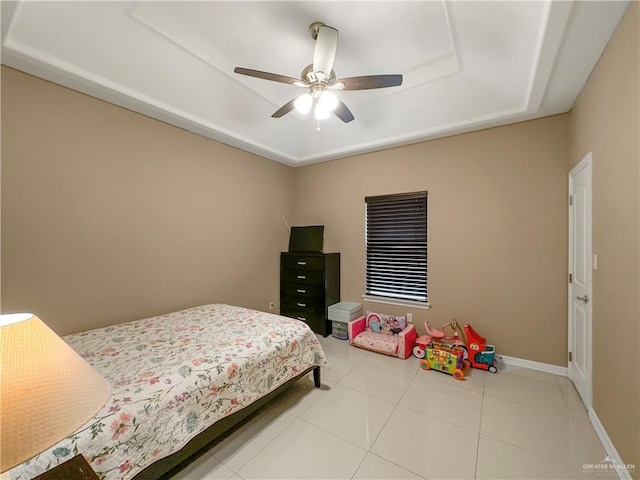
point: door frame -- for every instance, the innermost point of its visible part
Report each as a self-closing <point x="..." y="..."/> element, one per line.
<point x="586" y="162"/>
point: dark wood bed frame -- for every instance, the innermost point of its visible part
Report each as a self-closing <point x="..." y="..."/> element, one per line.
<point x="164" y="467"/>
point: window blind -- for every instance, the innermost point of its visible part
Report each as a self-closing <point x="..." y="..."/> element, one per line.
<point x="396" y="246"/>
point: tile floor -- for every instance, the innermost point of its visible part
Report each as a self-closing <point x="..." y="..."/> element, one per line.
<point x="379" y="417"/>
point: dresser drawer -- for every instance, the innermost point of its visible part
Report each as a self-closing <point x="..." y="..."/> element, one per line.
<point x="304" y="305"/>
<point x="303" y="291"/>
<point x="304" y="262"/>
<point x="316" y="322"/>
<point x="303" y="277"/>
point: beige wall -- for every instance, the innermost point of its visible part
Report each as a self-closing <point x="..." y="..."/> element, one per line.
<point x="497" y="221"/>
<point x="606" y="121"/>
<point x="110" y="216"/>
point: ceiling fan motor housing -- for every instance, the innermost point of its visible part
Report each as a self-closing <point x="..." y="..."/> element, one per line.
<point x="315" y="78"/>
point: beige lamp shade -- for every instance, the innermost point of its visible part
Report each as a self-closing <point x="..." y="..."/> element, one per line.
<point x="47" y="392"/>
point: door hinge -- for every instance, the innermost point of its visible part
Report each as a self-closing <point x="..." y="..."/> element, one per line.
<point x="570" y="278"/>
<point x="570" y="356"/>
<point x="570" y="199"/>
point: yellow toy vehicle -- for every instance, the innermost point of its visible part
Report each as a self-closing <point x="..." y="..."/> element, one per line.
<point x="445" y="358"/>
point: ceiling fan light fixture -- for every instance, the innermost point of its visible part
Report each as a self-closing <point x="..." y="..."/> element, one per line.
<point x="328" y="100"/>
<point x="303" y="103"/>
<point x="321" y="112"/>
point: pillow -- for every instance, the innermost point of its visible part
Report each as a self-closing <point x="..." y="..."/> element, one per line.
<point x="386" y="324"/>
<point x="374" y="322"/>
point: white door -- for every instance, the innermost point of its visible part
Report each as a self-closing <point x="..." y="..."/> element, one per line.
<point x="580" y="264"/>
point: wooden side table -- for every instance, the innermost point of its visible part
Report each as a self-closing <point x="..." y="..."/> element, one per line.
<point x="75" y="469"/>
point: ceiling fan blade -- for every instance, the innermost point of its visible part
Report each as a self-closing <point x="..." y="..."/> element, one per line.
<point x="325" y="51"/>
<point x="274" y="77"/>
<point x="342" y="112"/>
<point x="369" y="82"/>
<point x="283" y="110"/>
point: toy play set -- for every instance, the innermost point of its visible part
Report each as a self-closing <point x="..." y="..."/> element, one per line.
<point x="451" y="349"/>
<point x="445" y="358"/>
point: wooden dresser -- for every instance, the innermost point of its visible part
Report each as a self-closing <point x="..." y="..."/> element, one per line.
<point x="309" y="283"/>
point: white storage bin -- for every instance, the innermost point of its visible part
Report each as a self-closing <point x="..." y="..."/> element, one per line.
<point x="345" y="311"/>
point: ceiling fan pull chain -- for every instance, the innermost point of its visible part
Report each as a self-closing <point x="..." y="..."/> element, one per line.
<point x="318" y="127"/>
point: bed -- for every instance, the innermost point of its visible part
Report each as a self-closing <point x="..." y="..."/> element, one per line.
<point x="178" y="381"/>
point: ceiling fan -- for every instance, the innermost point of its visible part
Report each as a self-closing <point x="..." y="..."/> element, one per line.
<point x="319" y="78"/>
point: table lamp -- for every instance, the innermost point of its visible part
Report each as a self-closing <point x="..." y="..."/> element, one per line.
<point x="47" y="392"/>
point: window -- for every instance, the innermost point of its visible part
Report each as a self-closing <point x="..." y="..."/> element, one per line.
<point x="396" y="248"/>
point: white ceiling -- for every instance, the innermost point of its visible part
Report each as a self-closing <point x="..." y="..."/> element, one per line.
<point x="467" y="65"/>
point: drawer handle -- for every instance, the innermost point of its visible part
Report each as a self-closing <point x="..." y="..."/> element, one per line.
<point x="302" y="318"/>
<point x="302" y="263"/>
<point x="301" y="304"/>
<point x="301" y="290"/>
<point x="301" y="277"/>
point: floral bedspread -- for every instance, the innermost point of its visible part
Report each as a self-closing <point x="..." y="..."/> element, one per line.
<point x="174" y="375"/>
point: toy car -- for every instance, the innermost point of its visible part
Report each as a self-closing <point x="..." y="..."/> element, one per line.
<point x="481" y="355"/>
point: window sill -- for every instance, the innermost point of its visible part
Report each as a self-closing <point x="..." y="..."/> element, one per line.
<point x="396" y="301"/>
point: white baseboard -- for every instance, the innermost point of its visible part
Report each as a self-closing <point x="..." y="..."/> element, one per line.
<point x="530" y="364"/>
<point x="613" y="456"/>
<point x="612" y="453"/>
